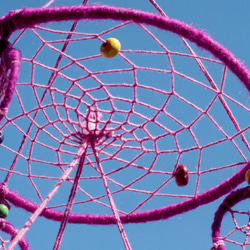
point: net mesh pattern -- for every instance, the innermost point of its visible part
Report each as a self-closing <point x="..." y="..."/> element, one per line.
<point x="231" y="222"/>
<point x="161" y="102"/>
<point x="154" y="121"/>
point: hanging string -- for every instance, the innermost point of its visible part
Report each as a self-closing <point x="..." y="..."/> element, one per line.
<point x="111" y="201"/>
<point x="42" y="206"/>
<point x="70" y="200"/>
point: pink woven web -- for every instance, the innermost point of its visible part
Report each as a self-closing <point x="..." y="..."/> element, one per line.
<point x="235" y="208"/>
<point x="7" y="231"/>
<point x="153" y="111"/>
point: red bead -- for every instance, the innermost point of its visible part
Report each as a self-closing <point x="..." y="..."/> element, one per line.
<point x="181" y="175"/>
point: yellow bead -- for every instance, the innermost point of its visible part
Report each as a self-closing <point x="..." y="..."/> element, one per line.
<point x="247" y="176"/>
<point x="110" y="47"/>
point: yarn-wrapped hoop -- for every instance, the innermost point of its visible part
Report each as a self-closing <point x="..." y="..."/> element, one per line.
<point x="28" y="17"/>
<point x="226" y="207"/>
<point x="9" y="72"/>
<point x="7" y="228"/>
<point x="115" y="130"/>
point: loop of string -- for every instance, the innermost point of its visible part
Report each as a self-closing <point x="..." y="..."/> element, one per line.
<point x="217" y="244"/>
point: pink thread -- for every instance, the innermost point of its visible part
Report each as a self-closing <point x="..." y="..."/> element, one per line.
<point x="111" y="201"/>
<point x="41" y="208"/>
<point x="11" y="61"/>
<point x="6" y="227"/>
<point x="138" y="217"/>
<point x="232" y="199"/>
<point x="219" y="245"/>
<point x="29" y="17"/>
<point x="3" y="111"/>
<point x="70" y="200"/>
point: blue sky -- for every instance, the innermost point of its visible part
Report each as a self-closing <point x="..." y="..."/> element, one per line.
<point x="228" y="23"/>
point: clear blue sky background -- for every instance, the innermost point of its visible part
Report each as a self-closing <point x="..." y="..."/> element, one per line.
<point x="228" y="22"/>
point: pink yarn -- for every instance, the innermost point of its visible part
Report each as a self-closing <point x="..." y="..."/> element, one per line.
<point x="29" y="17"/>
<point x="231" y="200"/>
<point x="11" y="61"/>
<point x="151" y="215"/>
<point x="26" y="18"/>
<point x="6" y="227"/>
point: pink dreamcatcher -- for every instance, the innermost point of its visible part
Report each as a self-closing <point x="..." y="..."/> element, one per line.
<point x="149" y="134"/>
<point x="239" y="226"/>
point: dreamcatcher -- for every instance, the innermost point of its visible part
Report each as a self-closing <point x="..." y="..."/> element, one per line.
<point x="114" y="124"/>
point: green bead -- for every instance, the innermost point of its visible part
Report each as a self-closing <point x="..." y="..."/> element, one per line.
<point x="4" y="211"/>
